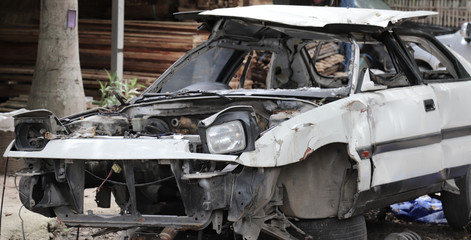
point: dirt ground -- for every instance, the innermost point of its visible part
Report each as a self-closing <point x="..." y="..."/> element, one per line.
<point x="39" y="227"/>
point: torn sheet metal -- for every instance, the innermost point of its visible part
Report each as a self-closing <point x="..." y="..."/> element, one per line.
<point x="294" y="139"/>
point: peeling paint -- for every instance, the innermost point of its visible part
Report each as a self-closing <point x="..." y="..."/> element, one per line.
<point x="356" y="105"/>
<point x="306" y="153"/>
<point x="279" y="143"/>
<point x="302" y="125"/>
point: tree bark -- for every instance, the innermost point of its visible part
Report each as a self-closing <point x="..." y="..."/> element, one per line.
<point x="57" y="80"/>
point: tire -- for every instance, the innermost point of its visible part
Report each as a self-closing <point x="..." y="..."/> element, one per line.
<point x="353" y="228"/>
<point x="457" y="208"/>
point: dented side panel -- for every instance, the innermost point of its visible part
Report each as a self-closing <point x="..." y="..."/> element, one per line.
<point x="406" y="144"/>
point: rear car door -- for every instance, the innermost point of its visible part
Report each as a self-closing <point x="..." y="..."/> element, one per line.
<point x="405" y="130"/>
<point x="452" y="87"/>
<point x="405" y="126"/>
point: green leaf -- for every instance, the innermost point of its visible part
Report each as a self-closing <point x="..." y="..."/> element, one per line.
<point x="128" y="88"/>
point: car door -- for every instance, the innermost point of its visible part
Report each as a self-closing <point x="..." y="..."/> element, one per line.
<point x="452" y="88"/>
<point x="405" y="127"/>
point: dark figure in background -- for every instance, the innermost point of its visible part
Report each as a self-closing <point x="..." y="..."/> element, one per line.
<point x="376" y="57"/>
<point x="346" y="48"/>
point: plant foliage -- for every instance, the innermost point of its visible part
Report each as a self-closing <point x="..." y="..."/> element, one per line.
<point x="126" y="88"/>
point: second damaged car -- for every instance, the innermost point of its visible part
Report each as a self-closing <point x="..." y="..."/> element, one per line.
<point x="288" y="122"/>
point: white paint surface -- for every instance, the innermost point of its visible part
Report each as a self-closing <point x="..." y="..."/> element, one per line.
<point x="117" y="148"/>
<point x="307" y="16"/>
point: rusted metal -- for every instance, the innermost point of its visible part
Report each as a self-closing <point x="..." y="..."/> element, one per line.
<point x="168" y="233"/>
<point x="184" y="125"/>
<point x="306" y="153"/>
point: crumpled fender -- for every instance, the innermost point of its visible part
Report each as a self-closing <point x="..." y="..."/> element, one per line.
<point x="342" y="121"/>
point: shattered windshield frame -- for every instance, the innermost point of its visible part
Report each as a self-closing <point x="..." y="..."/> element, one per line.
<point x="231" y="39"/>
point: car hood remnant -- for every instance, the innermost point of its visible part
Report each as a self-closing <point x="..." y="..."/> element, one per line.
<point x="303" y="16"/>
<point x="285" y="120"/>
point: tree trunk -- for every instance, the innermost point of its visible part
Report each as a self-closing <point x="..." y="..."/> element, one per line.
<point x="57" y="80"/>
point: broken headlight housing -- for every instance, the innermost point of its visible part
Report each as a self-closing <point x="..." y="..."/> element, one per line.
<point x="226" y="137"/>
<point x="32" y="127"/>
<point x="31" y="136"/>
<point x="232" y="130"/>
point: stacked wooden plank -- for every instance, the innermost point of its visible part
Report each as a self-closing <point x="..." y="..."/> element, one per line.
<point x="149" y="49"/>
<point x="14" y="103"/>
<point x="256" y="73"/>
<point x="451" y="13"/>
<point x="16" y="80"/>
<point x="192" y="5"/>
<point x="328" y="59"/>
<point x="327" y="63"/>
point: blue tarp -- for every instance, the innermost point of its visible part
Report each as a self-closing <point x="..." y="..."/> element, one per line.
<point x="423" y="209"/>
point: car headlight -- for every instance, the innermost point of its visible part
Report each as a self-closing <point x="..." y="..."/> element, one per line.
<point x="231" y="131"/>
<point x="31" y="128"/>
<point x="225" y="138"/>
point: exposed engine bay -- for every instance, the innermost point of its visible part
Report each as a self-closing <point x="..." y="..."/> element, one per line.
<point x="190" y="192"/>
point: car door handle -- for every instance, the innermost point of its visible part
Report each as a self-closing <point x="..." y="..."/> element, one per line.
<point x="429" y="105"/>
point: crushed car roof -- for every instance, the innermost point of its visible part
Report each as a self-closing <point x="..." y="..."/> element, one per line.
<point x="308" y="16"/>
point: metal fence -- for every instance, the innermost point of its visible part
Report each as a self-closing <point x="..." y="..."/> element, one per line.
<point x="451" y="13"/>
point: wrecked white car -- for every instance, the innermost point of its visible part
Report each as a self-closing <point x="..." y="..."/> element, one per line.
<point x="288" y="122"/>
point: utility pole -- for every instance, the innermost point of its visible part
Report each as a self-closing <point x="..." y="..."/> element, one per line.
<point x="117" y="38"/>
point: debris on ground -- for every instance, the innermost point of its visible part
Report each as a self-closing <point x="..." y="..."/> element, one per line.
<point x="423" y="209"/>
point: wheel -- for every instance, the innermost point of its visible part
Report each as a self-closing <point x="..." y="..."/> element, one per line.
<point x="457" y="208"/>
<point x="353" y="228"/>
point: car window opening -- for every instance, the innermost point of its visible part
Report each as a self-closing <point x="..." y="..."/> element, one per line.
<point x="307" y="63"/>
<point x="432" y="64"/>
<point x="331" y="61"/>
